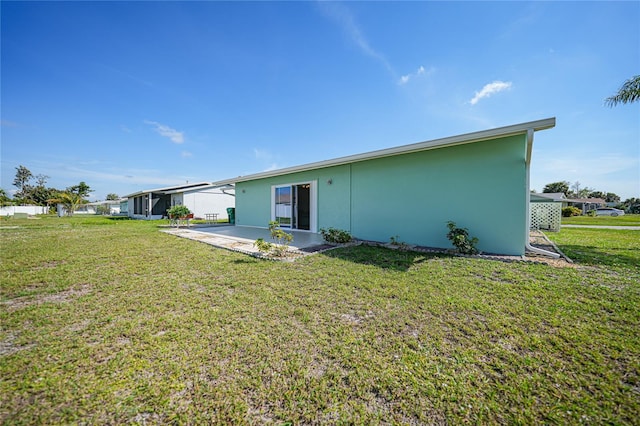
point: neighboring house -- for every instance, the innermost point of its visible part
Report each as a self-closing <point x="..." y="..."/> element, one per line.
<point x="478" y="180"/>
<point x="546" y="211"/>
<point x="201" y="198"/>
<point x="109" y="207"/>
<point x="586" y="204"/>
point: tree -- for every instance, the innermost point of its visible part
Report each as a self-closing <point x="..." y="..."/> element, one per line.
<point x="579" y="192"/>
<point x="628" y="93"/>
<point x="610" y="197"/>
<point x="597" y="194"/>
<point x="4" y="198"/>
<point x="562" y="186"/>
<point x="631" y="205"/>
<point x="81" y="189"/>
<point x="40" y="194"/>
<point x="41" y="180"/>
<point x="112" y="197"/>
<point x="21" y="181"/>
<point x="69" y="200"/>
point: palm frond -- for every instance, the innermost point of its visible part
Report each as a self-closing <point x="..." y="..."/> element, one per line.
<point x="628" y="93"/>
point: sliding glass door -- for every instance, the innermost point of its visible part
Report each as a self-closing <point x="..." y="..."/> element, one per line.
<point x="293" y="206"/>
<point x="283" y="206"/>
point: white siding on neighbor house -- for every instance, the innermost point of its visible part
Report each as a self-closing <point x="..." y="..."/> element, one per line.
<point x="208" y="201"/>
<point x="176" y="199"/>
<point x="92" y="208"/>
<point x="201" y="199"/>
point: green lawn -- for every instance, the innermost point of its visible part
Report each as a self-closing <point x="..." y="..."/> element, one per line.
<point x="626" y="220"/>
<point x="106" y="321"/>
<point x="600" y="247"/>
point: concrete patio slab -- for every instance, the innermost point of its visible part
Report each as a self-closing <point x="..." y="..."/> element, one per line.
<point x="241" y="238"/>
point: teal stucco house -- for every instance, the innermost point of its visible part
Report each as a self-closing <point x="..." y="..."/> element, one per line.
<point x="479" y="180"/>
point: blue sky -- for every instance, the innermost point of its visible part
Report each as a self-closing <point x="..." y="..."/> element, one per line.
<point x="136" y="95"/>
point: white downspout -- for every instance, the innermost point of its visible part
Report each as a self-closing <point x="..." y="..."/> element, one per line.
<point x="527" y="244"/>
<point x="226" y="193"/>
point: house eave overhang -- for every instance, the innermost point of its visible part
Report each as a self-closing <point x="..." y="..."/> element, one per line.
<point x="203" y="189"/>
<point x="467" y="138"/>
<point x="171" y="189"/>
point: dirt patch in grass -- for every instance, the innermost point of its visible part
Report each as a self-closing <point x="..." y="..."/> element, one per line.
<point x="61" y="297"/>
<point x="50" y="264"/>
<point x="8" y="345"/>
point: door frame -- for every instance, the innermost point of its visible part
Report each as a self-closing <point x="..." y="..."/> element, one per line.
<point x="313" y="203"/>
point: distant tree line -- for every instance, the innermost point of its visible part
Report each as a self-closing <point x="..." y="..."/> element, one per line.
<point x="576" y="190"/>
<point x="33" y="190"/>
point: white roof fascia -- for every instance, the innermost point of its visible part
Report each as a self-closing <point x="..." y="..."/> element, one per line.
<point x="198" y="188"/>
<point x="499" y="132"/>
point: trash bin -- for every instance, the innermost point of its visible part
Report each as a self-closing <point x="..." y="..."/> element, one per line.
<point x="231" y="212"/>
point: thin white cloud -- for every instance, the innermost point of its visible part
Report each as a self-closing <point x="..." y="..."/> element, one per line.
<point x="265" y="156"/>
<point x="490" y="89"/>
<point x="262" y="154"/>
<point x="420" y="71"/>
<point x="186" y="154"/>
<point x="342" y="15"/>
<point x="166" y="131"/>
<point x="96" y="171"/>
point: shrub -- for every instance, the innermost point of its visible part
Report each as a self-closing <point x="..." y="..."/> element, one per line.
<point x="459" y="237"/>
<point x="178" y="211"/>
<point x="263" y="246"/>
<point x="395" y="241"/>
<point x="333" y="235"/>
<point x="280" y="246"/>
<point x="571" y="211"/>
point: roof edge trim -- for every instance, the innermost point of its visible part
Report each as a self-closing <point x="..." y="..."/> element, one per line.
<point x="466" y="138"/>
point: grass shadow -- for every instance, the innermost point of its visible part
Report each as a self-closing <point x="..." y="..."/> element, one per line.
<point x="600" y="247"/>
<point x="382" y="257"/>
<point x="118" y="217"/>
<point x="596" y="256"/>
<point x="249" y="260"/>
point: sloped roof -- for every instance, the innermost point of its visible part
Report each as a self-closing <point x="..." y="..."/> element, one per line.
<point x="586" y="200"/>
<point x="534" y="196"/>
<point x="555" y="196"/>
<point x="499" y="132"/>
